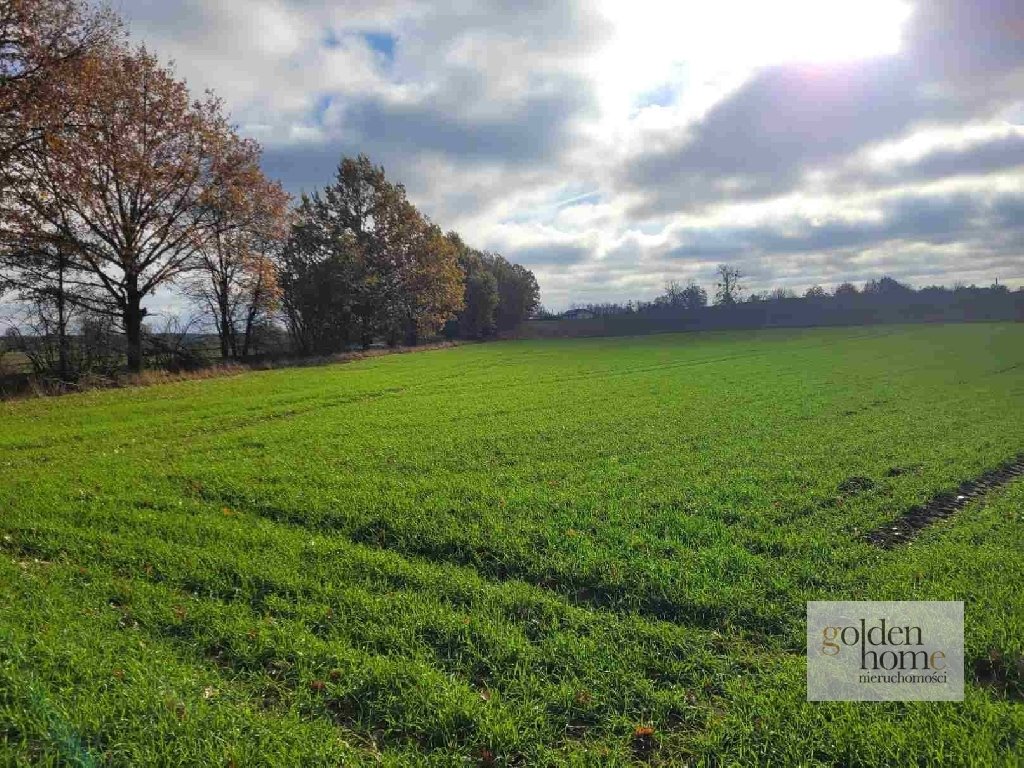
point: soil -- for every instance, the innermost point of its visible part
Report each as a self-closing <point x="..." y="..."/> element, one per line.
<point x="944" y="505"/>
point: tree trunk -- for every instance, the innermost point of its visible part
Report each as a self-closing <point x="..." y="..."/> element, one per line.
<point x="132" y="319"/>
<point x="225" y="350"/>
<point x="366" y="334"/>
<point x="224" y="324"/>
<point x="250" y="326"/>
<point x="412" y="335"/>
<point x="63" y="361"/>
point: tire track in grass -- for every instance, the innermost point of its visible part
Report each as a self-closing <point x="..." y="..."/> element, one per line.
<point x="945" y="504"/>
<point x="540" y="617"/>
<point x="486" y="561"/>
<point x="330" y="677"/>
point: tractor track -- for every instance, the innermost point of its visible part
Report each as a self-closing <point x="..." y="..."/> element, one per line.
<point x="945" y="504"/>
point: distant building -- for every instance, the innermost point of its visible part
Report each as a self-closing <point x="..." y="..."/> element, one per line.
<point x="578" y="314"/>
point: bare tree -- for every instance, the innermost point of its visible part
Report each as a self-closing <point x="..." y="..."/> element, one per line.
<point x="729" y="288"/>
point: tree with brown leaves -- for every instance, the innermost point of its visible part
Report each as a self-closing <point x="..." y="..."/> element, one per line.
<point x="134" y="197"/>
<point x="432" y="284"/>
<point x="237" y="280"/>
<point x="41" y="43"/>
<point x="391" y="273"/>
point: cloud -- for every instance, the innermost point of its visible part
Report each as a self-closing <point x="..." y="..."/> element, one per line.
<point x="892" y="236"/>
<point x="759" y="142"/>
<point x="998" y="151"/>
<point x="611" y="148"/>
<point x="531" y="130"/>
<point x="548" y="255"/>
<point x="963" y="60"/>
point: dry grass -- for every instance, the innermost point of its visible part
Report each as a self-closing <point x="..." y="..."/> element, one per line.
<point x="27" y="386"/>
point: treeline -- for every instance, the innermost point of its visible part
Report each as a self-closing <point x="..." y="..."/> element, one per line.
<point x="687" y="307"/>
<point x="362" y="263"/>
<point x="117" y="183"/>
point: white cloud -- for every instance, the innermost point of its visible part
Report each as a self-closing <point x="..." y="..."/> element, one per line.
<point x="597" y="142"/>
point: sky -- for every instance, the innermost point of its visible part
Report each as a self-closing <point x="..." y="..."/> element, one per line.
<point x="614" y="145"/>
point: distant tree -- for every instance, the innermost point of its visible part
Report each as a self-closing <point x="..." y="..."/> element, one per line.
<point x="46" y="282"/>
<point x="477" y="318"/>
<point x="886" y="286"/>
<point x="688" y="297"/>
<point x="694" y="297"/>
<point x="543" y="313"/>
<point x="845" y="289"/>
<point x="815" y="292"/>
<point x="729" y="288"/>
<point x="673" y="295"/>
<point x="63" y="342"/>
<point x="46" y="315"/>
<point x="780" y="294"/>
<point x="518" y="292"/>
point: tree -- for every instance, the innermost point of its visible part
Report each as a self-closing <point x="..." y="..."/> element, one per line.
<point x="318" y="270"/>
<point x="518" y="292"/>
<point x="363" y="263"/>
<point x="44" y="278"/>
<point x="729" y="288"/>
<point x="780" y="294"/>
<point x="815" y="292"/>
<point x="237" y="282"/>
<point x="673" y="293"/>
<point x="129" y="197"/>
<point x="688" y="297"/>
<point x="375" y="220"/>
<point x="886" y="286"/>
<point x="694" y="297"/>
<point x="476" y="320"/>
<point x="845" y="289"/>
<point x="432" y="286"/>
<point x="41" y="44"/>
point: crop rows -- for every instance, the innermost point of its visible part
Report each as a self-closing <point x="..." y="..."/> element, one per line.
<point x="589" y="551"/>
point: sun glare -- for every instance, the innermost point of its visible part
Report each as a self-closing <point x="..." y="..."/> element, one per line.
<point x="704" y="49"/>
<point x="756" y="32"/>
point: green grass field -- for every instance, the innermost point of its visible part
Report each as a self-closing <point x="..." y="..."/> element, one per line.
<point x="513" y="554"/>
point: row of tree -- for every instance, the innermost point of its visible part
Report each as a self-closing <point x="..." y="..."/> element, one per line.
<point x="116" y="182"/>
<point x="686" y="307"/>
<point x="363" y="263"/>
<point x="729" y="292"/>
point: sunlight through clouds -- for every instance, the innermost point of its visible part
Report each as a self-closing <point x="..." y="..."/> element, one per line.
<point x="600" y="138"/>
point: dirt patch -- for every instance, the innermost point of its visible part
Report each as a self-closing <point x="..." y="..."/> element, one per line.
<point x="899" y="471"/>
<point x="644" y="743"/>
<point x="1001" y="674"/>
<point x="944" y="505"/>
<point x="857" y="484"/>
